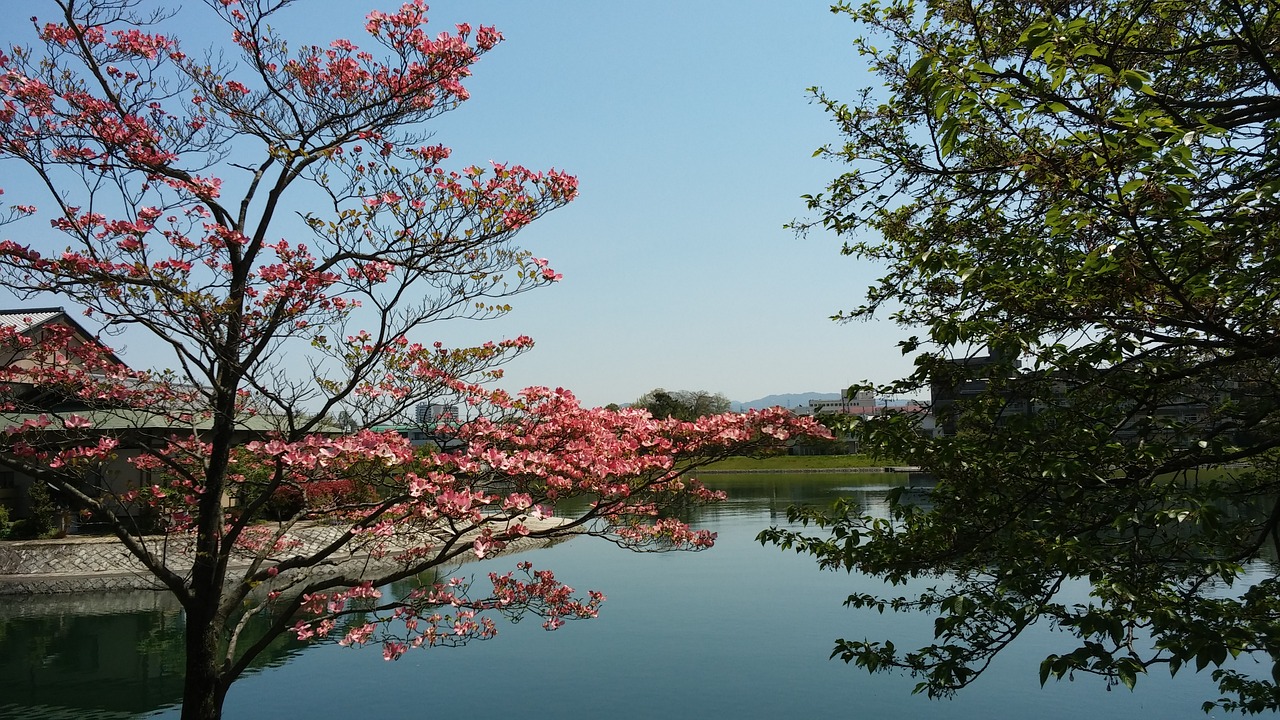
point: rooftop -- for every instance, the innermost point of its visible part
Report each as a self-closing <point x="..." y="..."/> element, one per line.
<point x="23" y="320"/>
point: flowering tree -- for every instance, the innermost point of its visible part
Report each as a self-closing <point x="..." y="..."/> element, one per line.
<point x="170" y="177"/>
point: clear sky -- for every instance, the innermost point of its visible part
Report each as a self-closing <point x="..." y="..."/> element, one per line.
<point x="690" y="129"/>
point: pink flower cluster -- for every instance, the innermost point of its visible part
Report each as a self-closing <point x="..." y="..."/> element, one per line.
<point x="627" y="462"/>
<point x="82" y="455"/>
<point x="427" y="71"/>
<point x="444" y="614"/>
<point x="668" y="532"/>
<point x="336" y="453"/>
<point x="544" y="595"/>
<point x="505" y="192"/>
<point x="264" y="541"/>
<point x="132" y="42"/>
<point x="119" y="256"/>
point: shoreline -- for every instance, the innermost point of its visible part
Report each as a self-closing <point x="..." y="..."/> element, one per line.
<point x="101" y="563"/>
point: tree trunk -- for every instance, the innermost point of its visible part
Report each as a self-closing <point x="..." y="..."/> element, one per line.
<point x="203" y="690"/>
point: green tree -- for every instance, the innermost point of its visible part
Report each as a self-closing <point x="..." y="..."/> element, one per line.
<point x="682" y="404"/>
<point x="1088" y="191"/>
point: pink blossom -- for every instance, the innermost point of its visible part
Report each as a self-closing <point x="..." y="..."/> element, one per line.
<point x="358" y="635"/>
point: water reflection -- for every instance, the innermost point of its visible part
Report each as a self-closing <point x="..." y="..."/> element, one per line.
<point x="110" y="655"/>
<point x="741" y="631"/>
<point x="116" y="654"/>
<point x="770" y="495"/>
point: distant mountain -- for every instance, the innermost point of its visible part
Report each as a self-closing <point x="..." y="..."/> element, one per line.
<point x="785" y="400"/>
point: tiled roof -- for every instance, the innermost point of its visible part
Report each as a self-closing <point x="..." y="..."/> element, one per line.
<point x="22" y="320"/>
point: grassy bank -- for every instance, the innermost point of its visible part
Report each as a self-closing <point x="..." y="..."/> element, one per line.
<point x="784" y="463"/>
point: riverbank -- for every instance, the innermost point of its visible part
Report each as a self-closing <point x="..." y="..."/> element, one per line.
<point x="799" y="470"/>
<point x="807" y="463"/>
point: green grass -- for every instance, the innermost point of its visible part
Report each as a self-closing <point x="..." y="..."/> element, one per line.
<point x="800" y="462"/>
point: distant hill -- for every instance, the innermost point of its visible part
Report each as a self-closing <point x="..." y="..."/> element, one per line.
<point x="785" y="400"/>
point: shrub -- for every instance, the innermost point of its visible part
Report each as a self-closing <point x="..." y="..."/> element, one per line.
<point x="43" y="521"/>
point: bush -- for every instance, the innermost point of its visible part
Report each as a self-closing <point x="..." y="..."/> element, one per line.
<point x="43" y="521"/>
<point x="287" y="501"/>
<point x="22" y="529"/>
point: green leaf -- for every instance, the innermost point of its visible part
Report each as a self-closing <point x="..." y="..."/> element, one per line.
<point x="1127" y="676"/>
<point x="921" y="66"/>
<point x="1180" y="193"/>
<point x="1199" y="226"/>
<point x="1131" y="187"/>
<point x="1134" y="79"/>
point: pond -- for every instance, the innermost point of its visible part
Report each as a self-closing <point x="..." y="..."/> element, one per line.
<point x="740" y="631"/>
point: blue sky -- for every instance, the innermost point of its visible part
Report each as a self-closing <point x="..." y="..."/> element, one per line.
<point x="689" y="127"/>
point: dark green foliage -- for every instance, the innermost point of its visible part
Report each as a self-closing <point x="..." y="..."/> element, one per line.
<point x="685" y="405"/>
<point x="43" y="519"/>
<point x="1088" y="191"/>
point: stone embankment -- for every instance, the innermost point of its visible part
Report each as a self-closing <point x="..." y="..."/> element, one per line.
<point x="69" y="565"/>
<point x="77" y="564"/>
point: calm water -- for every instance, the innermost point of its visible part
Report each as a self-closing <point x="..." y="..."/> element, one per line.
<point x="740" y="631"/>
